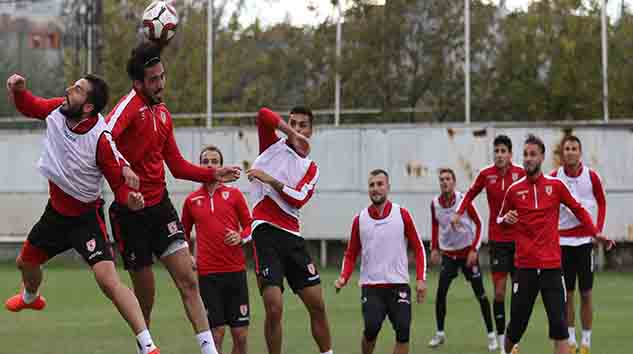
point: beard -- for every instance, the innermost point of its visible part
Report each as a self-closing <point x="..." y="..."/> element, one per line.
<point x="533" y="169"/>
<point x="378" y="199"/>
<point x="72" y="112"/>
<point x="153" y="97"/>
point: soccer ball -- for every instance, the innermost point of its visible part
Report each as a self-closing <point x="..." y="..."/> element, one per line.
<point x="160" y="21"/>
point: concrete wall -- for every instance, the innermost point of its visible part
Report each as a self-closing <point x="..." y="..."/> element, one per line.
<point x="411" y="154"/>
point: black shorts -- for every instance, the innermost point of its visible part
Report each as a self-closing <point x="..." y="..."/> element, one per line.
<point x="578" y="263"/>
<point x="144" y="233"/>
<point x="280" y="254"/>
<point x="55" y="233"/>
<point x="395" y="302"/>
<point x="526" y="285"/>
<point x="225" y="296"/>
<point x="502" y="257"/>
<point x="451" y="266"/>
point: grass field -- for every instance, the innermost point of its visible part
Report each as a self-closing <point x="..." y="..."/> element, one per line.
<point x="79" y="320"/>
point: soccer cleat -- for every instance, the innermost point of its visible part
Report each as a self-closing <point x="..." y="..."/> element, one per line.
<point x="572" y="347"/>
<point x="437" y="340"/>
<point x="155" y="351"/>
<point x="16" y="303"/>
<point x="515" y="349"/>
<point x="584" y="349"/>
<point x="492" y="343"/>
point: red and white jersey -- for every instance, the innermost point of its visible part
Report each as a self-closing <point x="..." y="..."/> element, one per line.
<point x="381" y="240"/>
<point x="213" y="216"/>
<point x="496" y="184"/>
<point x="454" y="243"/>
<point x="298" y="174"/>
<point x="586" y="186"/>
<point x="144" y="134"/>
<point x="75" y="160"/>
<point x="537" y="202"/>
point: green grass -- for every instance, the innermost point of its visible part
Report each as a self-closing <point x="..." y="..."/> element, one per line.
<point x="79" y="319"/>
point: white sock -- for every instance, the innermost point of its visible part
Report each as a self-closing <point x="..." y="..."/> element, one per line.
<point x="328" y="352"/>
<point x="586" y="338"/>
<point x="146" y="342"/>
<point x="441" y="333"/>
<point x="28" y="297"/>
<point x="502" y="343"/>
<point x="572" y="335"/>
<point x="207" y="346"/>
<point x="492" y="335"/>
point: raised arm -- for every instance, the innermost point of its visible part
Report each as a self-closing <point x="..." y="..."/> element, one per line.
<point x="474" y="190"/>
<point x="183" y="169"/>
<point x="28" y="104"/>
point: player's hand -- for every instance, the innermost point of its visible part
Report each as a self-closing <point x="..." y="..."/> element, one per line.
<point x="435" y="257"/>
<point x="471" y="260"/>
<point x="15" y="83"/>
<point x="232" y="238"/>
<point x="131" y="179"/>
<point x="456" y="221"/>
<point x="607" y="242"/>
<point x="340" y="284"/>
<point x="260" y="175"/>
<point x="420" y="289"/>
<point x="511" y="217"/>
<point x="228" y="174"/>
<point x="300" y="143"/>
<point x="135" y="201"/>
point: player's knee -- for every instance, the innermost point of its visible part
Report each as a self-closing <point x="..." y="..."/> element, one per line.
<point x="585" y="296"/>
<point x="188" y="285"/>
<point x="239" y="337"/>
<point x="317" y="307"/>
<point x="371" y="331"/>
<point x="402" y="329"/>
<point x="500" y="294"/>
<point x="19" y="262"/>
<point x="274" y="312"/>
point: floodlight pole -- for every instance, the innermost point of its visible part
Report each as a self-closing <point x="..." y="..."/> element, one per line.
<point x="467" y="59"/>
<point x="209" y="64"/>
<point x="337" y="80"/>
<point x="605" y="63"/>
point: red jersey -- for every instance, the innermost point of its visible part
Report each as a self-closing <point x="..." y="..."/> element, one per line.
<point x="144" y="134"/>
<point x="410" y="233"/>
<point x="537" y="203"/>
<point x="496" y="185"/>
<point x="213" y="215"/>
<point x="107" y="161"/>
<point x="297" y="196"/>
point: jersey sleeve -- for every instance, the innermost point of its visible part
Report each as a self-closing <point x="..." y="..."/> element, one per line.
<point x="33" y="106"/>
<point x="267" y="122"/>
<point x="244" y="216"/>
<point x="601" y="200"/>
<point x="474" y="216"/>
<point x="181" y="168"/>
<point x="187" y="219"/>
<point x="416" y="243"/>
<point x="352" y="251"/>
<point x="474" y="190"/>
<point x="506" y="206"/>
<point x="435" y="230"/>
<point x="576" y="208"/>
<point x="300" y="194"/>
<point x="121" y="117"/>
<point x="111" y="163"/>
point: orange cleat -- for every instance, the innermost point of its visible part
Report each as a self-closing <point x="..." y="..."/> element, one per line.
<point x="155" y="351"/>
<point x="16" y="303"/>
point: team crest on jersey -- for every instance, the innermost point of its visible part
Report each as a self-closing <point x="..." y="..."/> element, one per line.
<point x="91" y="245"/>
<point x="244" y="309"/>
<point x="515" y="176"/>
<point x="172" y="227"/>
<point x="225" y="195"/>
<point x="199" y="202"/>
<point x="548" y="190"/>
<point x="311" y="269"/>
<point x="163" y="117"/>
<point x="402" y="294"/>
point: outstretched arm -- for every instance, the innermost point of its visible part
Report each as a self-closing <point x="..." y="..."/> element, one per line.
<point x="28" y="104"/>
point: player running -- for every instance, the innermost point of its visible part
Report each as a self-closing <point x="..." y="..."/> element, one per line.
<point x="143" y="130"/>
<point x="283" y="180"/>
<point x="77" y="153"/>
<point x="223" y="224"/>
<point x="458" y="250"/>
<point x="576" y="244"/>
<point x="380" y="234"/>
<point x="533" y="204"/>
<point x="496" y="179"/>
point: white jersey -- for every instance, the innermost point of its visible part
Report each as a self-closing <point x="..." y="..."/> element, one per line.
<point x="384" y="258"/>
<point x="69" y="159"/>
<point x="450" y="239"/>
<point x="581" y="188"/>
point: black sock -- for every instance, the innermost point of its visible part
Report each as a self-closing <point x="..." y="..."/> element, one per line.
<point x="484" y="304"/>
<point x="499" y="310"/>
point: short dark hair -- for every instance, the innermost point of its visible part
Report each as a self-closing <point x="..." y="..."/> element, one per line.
<point x="303" y="110"/>
<point x="143" y="56"/>
<point x="379" y="171"/>
<point x="448" y="170"/>
<point x="535" y="140"/>
<point x="503" y="140"/>
<point x="99" y="93"/>
<point x="212" y="148"/>
<point x="569" y="138"/>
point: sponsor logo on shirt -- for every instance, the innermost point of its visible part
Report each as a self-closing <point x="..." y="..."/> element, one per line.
<point x="492" y="179"/>
<point x="91" y="245"/>
<point x="522" y="193"/>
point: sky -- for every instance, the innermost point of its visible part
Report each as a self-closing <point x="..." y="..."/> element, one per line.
<point x="273" y="11"/>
